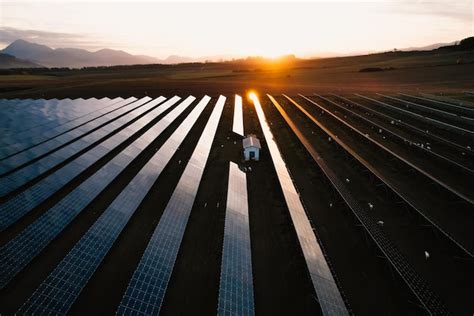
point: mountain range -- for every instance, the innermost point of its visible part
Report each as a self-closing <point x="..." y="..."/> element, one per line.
<point x="24" y="54"/>
<point x="72" y="57"/>
<point x="8" y="61"/>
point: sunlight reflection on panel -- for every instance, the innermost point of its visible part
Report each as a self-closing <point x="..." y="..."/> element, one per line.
<point x="325" y="287"/>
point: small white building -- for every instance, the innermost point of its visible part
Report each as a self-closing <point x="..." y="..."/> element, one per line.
<point x="251" y="147"/>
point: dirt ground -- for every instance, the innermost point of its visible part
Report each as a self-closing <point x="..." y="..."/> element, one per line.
<point x="409" y="72"/>
<point x="403" y="225"/>
<point x="282" y="285"/>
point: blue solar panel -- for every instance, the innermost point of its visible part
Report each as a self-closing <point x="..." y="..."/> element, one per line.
<point x="19" y="113"/>
<point x="21" y="176"/>
<point x="147" y="287"/>
<point x="17" y="253"/>
<point x="46" y="113"/>
<point x="60" y="289"/>
<point x="236" y="283"/>
<point x="28" y="139"/>
<point x="23" y="157"/>
<point x="40" y="191"/>
<point x="6" y="105"/>
<point x="41" y="115"/>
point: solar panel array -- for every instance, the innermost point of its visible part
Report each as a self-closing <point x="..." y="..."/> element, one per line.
<point x="328" y="294"/>
<point x="236" y="283"/>
<point x="40" y="112"/>
<point x="25" y="201"/>
<point x="46" y="146"/>
<point x="61" y="288"/>
<point x="414" y="280"/>
<point x="436" y="122"/>
<point x="432" y="109"/>
<point x="67" y="153"/>
<point x="238" y="125"/>
<point x="18" y="178"/>
<point x="37" y="113"/>
<point x="30" y="136"/>
<point x="146" y="290"/>
<point x="451" y="106"/>
<point x="18" y="252"/>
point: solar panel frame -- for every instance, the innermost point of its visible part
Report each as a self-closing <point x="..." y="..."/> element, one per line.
<point x="52" y="297"/>
<point x="236" y="279"/>
<point x="18" y="252"/>
<point x="146" y="289"/>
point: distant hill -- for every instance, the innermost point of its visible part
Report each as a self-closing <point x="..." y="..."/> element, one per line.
<point x="175" y="59"/>
<point x="32" y="55"/>
<point x="9" y="61"/>
<point x="72" y="57"/>
<point x="428" y="47"/>
<point x="465" y="44"/>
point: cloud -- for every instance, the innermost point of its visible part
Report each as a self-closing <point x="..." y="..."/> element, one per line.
<point x="455" y="9"/>
<point x="51" y="39"/>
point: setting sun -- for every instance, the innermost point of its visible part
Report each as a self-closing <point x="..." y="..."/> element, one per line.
<point x="253" y="96"/>
<point x="204" y="29"/>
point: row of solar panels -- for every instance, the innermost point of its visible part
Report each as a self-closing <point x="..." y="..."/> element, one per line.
<point x="415" y="281"/>
<point x="452" y="119"/>
<point x="60" y="289"/>
<point x="327" y="292"/>
<point x="51" y="147"/>
<point x="28" y="129"/>
<point x="464" y="130"/>
<point x="456" y="233"/>
<point x="146" y="290"/>
<point x="451" y="157"/>
<point x="40" y="112"/>
<point x="446" y="104"/>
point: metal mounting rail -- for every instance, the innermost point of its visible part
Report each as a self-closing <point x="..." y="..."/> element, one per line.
<point x="450" y="104"/>
<point x="427" y="174"/>
<point x="435" y="122"/>
<point x="388" y="183"/>
<point x="405" y="140"/>
<point x="428" y="298"/>
<point x="417" y="129"/>
<point x="463" y="119"/>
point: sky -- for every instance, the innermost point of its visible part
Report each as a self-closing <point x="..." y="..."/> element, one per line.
<point x="237" y="29"/>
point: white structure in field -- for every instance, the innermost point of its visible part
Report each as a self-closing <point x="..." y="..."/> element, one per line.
<point x="251" y="147"/>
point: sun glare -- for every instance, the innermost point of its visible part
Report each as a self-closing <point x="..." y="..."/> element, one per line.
<point x="253" y="96"/>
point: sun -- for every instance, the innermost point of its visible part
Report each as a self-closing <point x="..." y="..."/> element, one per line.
<point x="252" y="95"/>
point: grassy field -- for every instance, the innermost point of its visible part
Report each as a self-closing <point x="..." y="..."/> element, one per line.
<point x="431" y="72"/>
<point x="16" y="78"/>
